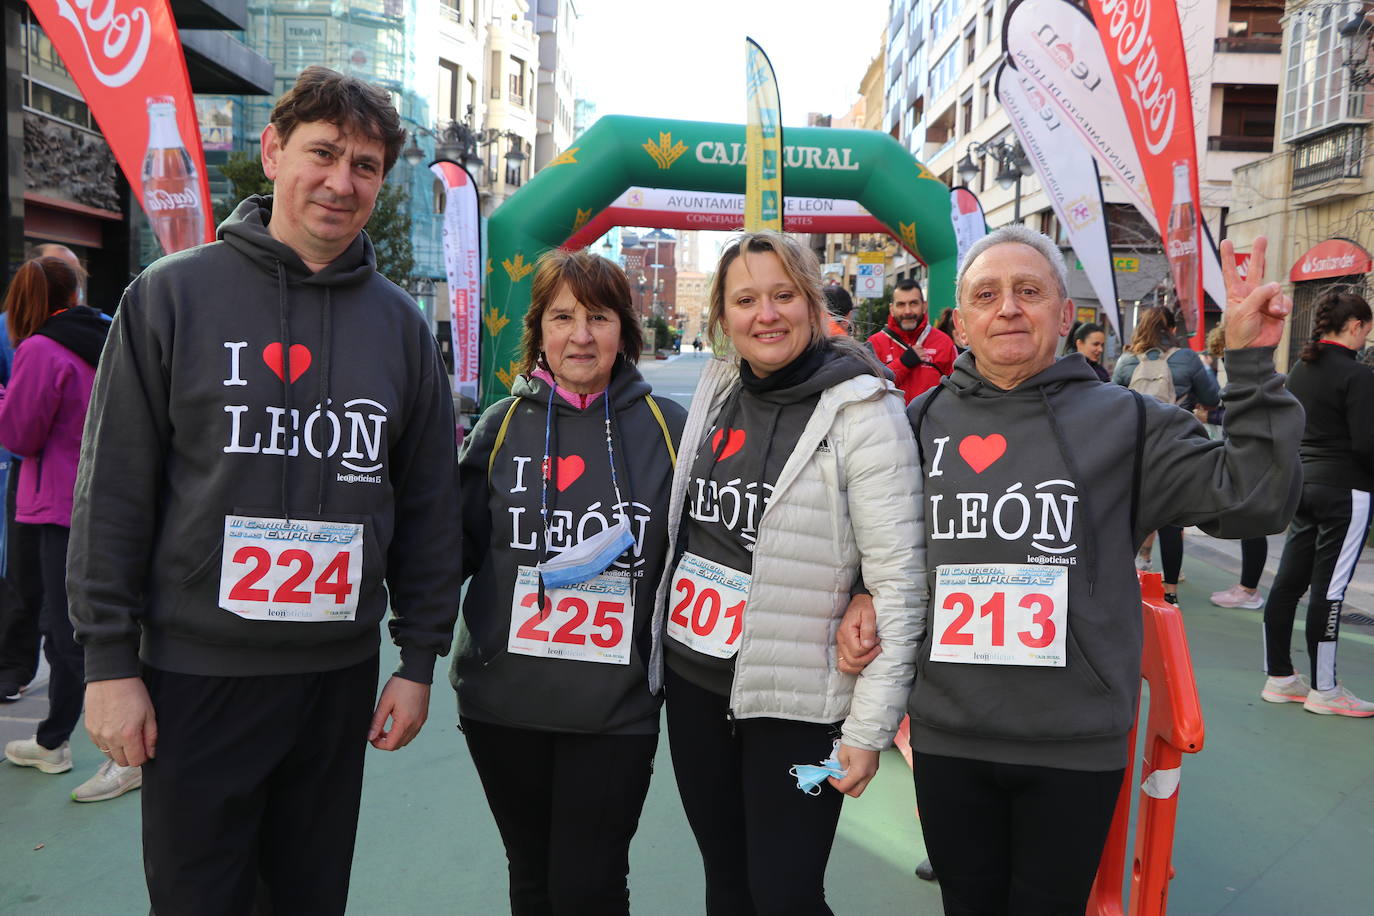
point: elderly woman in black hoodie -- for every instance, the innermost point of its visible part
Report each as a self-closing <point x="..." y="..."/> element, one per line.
<point x="565" y="488"/>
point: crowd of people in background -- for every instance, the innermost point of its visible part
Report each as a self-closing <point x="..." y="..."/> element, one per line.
<point x="781" y="573"/>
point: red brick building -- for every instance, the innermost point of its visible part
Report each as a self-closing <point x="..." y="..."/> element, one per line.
<point x="651" y="264"/>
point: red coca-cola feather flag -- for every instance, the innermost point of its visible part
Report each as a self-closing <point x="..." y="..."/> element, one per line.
<point x="1144" y="43"/>
<point x="126" y="58"/>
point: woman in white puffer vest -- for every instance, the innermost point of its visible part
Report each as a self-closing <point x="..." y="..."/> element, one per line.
<point x="797" y="485"/>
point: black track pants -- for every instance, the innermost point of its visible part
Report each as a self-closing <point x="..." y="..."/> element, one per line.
<point x="1324" y="543"/>
<point x="66" y="660"/>
<point x="1253" y="553"/>
<point x="255" y="785"/>
<point x="567" y="807"/>
<point x="763" y="841"/>
<point x="21" y="594"/>
<point x="1170" y="540"/>
<point x="1013" y="840"/>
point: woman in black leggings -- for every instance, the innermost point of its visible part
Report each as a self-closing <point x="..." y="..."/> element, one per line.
<point x="1332" y="522"/>
<point x="1154" y="337"/>
<point x="551" y="669"/>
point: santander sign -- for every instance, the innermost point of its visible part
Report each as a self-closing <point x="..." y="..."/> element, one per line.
<point x="112" y="31"/>
<point x="1155" y="106"/>
<point x="1332" y="258"/>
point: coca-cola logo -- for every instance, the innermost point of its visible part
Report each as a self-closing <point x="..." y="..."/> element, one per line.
<point x="113" y="33"/>
<point x="1179" y="248"/>
<point x="1335" y="262"/>
<point x="1155" y="106"/>
<point x="158" y="199"/>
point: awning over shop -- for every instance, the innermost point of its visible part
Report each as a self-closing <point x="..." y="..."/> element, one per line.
<point x="1332" y="258"/>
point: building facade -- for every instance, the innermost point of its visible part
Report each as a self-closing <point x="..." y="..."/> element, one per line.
<point x="693" y="289"/>
<point x="584" y="115"/>
<point x="555" y="21"/>
<point x="940" y="103"/>
<point x="61" y="183"/>
<point x="1313" y="196"/>
<point x="650" y="261"/>
<point x="375" y="40"/>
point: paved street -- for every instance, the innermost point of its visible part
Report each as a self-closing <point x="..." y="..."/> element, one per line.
<point x="1276" y="814"/>
<point x="676" y="377"/>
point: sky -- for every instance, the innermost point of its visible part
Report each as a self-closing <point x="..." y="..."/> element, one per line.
<point x="686" y="59"/>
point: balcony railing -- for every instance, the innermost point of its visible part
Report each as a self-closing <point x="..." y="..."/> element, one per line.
<point x="1330" y="156"/>
<point x="1232" y="143"/>
<point x="1252" y="44"/>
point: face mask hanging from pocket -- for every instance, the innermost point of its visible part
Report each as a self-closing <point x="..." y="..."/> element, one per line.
<point x="591" y="556"/>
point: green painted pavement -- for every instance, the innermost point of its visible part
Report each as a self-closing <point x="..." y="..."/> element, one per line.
<point x="1276" y="814"/>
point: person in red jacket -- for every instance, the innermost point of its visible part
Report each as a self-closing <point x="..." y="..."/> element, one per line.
<point x="917" y="353"/>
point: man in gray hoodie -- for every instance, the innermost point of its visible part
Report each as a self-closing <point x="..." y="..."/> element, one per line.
<point x="268" y="462"/>
<point x="1041" y="482"/>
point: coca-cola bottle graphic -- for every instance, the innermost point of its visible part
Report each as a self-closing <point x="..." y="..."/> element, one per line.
<point x="171" y="186"/>
<point x="1181" y="245"/>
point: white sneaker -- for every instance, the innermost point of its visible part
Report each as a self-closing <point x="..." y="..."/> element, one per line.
<point x="1235" y="596"/>
<point x="27" y="752"/>
<point x="1337" y="702"/>
<point x="1291" y="689"/>
<point x="110" y="781"/>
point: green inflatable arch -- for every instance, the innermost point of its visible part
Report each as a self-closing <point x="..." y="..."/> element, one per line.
<point x="619" y="152"/>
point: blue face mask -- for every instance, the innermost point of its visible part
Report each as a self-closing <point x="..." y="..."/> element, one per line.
<point x="589" y="557"/>
<point x="810" y="777"/>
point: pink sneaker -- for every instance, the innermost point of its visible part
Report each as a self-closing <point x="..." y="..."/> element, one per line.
<point x="1291" y="689"/>
<point x="1337" y="702"/>
<point x="1235" y="596"/>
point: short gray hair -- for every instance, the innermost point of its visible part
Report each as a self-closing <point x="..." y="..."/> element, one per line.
<point x="1021" y="235"/>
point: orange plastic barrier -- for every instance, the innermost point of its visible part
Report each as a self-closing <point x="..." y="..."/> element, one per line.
<point x="1173" y="728"/>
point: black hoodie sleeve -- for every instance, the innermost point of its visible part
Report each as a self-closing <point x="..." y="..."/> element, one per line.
<point x="423" y="572"/>
<point x="117" y="487"/>
<point x="1243" y="485"/>
<point x="473" y="480"/>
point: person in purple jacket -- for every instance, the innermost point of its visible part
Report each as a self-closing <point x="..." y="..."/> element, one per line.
<point x="42" y="413"/>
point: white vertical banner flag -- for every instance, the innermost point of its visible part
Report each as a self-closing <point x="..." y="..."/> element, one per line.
<point x="463" y="267"/>
<point x="969" y="223"/>
<point x="1056" y="46"/>
<point x="1069" y="176"/>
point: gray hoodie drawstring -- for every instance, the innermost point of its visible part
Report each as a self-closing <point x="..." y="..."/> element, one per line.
<point x="1089" y="544"/>
<point x="326" y="347"/>
<point x="282" y="307"/>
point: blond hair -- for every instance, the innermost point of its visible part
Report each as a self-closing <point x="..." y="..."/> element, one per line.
<point x="798" y="262"/>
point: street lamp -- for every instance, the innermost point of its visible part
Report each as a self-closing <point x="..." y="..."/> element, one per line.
<point x="458" y="141"/>
<point x="1012" y="165"/>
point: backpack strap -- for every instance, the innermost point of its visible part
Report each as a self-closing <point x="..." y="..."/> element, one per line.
<point x="1139" y="460"/>
<point x="500" y="437"/>
<point x="920" y="419"/>
<point x="663" y="425"/>
<point x="505" y="424"/>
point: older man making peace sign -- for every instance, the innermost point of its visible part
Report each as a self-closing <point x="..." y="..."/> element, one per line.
<point x="1041" y="482"/>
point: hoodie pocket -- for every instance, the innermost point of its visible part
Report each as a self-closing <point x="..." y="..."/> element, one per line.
<point x="1019" y="703"/>
<point x="196" y="610"/>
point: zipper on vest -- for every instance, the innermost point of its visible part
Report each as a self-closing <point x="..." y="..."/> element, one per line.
<point x="730" y="717"/>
